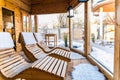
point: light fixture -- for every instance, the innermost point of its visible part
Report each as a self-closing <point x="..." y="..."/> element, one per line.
<point x="82" y="0"/>
<point x="70" y="12"/>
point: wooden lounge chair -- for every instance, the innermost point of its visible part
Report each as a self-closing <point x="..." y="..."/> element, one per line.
<point x="33" y="51"/>
<point x="13" y="66"/>
<point x="43" y="45"/>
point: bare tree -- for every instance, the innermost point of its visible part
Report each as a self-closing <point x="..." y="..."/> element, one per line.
<point x="62" y="18"/>
<point x="109" y="19"/>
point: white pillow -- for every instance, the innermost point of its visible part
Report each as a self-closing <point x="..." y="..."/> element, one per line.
<point x="28" y="38"/>
<point x="38" y="37"/>
<point x="6" y="40"/>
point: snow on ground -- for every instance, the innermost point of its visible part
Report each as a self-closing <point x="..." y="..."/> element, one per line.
<point x="78" y="46"/>
<point x="81" y="48"/>
<point x="104" y="58"/>
<point x="87" y="72"/>
<point x="103" y="54"/>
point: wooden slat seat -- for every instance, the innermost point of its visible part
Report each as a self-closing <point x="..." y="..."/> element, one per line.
<point x="62" y="53"/>
<point x="15" y="69"/>
<point x="11" y="63"/>
<point x="35" y="51"/>
<point x="58" y="51"/>
<point x="52" y="65"/>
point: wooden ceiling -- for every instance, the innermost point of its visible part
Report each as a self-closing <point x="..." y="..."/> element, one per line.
<point x="51" y="6"/>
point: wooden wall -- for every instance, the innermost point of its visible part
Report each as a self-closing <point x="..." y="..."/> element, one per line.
<point x="17" y="6"/>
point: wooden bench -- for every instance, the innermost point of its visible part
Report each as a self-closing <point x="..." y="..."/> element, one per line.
<point x="52" y="65"/>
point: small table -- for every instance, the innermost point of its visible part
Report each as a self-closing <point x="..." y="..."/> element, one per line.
<point x="47" y="39"/>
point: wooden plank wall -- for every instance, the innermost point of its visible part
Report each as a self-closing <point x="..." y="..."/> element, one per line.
<point x="17" y="6"/>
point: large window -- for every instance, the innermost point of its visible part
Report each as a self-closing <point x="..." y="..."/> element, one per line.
<point x="32" y="23"/>
<point x="54" y="24"/>
<point x="102" y="35"/>
<point x="78" y="28"/>
<point x="26" y="21"/>
<point x="59" y="24"/>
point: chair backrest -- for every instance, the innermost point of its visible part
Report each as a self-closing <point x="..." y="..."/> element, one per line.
<point x="41" y="42"/>
<point x="38" y="37"/>
<point x="6" y="41"/>
<point x="28" y="38"/>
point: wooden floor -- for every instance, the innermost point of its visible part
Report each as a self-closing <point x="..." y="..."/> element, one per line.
<point x="72" y="64"/>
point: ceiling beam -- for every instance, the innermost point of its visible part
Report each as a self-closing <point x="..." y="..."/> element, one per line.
<point x="20" y="4"/>
<point x="51" y="6"/>
<point x="59" y="6"/>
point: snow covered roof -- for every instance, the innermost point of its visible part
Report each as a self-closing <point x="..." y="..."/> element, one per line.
<point x="28" y="38"/>
<point x="6" y="40"/>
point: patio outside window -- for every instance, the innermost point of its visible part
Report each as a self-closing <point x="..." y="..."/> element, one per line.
<point x="54" y="24"/>
<point x="102" y="37"/>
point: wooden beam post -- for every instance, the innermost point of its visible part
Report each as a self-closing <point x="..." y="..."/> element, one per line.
<point x="87" y="46"/>
<point x="70" y="34"/>
<point x="1" y="20"/>
<point x="117" y="41"/>
<point x="30" y="23"/>
<point x="36" y="23"/>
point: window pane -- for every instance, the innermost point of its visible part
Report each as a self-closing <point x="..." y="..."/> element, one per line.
<point x="102" y="35"/>
<point x="78" y="29"/>
<point x="54" y="24"/>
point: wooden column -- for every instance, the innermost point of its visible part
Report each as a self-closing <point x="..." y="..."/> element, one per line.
<point x="1" y="19"/>
<point x="117" y="41"/>
<point x="70" y="34"/>
<point x="36" y="23"/>
<point x="30" y="24"/>
<point x="25" y="27"/>
<point x="87" y="29"/>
